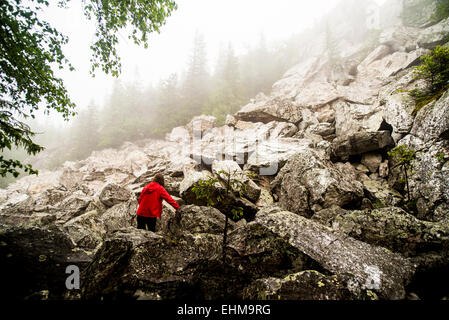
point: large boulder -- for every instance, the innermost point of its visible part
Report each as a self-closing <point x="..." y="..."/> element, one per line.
<point x="308" y="183"/>
<point x="179" y="134"/>
<point x="380" y="193"/>
<point x="389" y="227"/>
<point x="34" y="261"/>
<point x="266" y="109"/>
<point x="258" y="252"/>
<point x="345" y="146"/>
<point x="428" y="177"/>
<point x="271" y="155"/>
<point x="71" y="178"/>
<point x="197" y="220"/>
<point x="398" y="113"/>
<point x="435" y="35"/>
<point x="134" y="262"/>
<point x="432" y="122"/>
<point x="200" y="124"/>
<point x="352" y="118"/>
<point x="72" y="206"/>
<point x="190" y="180"/>
<point x="304" y="285"/>
<point x="86" y="230"/>
<point x="121" y="215"/>
<point x="372" y="267"/>
<point x="113" y="194"/>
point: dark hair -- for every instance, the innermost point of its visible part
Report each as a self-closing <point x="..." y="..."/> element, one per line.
<point x="159" y="178"/>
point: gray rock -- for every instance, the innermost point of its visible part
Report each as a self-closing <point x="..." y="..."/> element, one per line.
<point x="322" y="129"/>
<point x="384" y="169"/>
<point x="397" y="38"/>
<point x="432" y="122"/>
<point x="179" y="134"/>
<point x="307" y="180"/>
<point x="326" y="115"/>
<point x="121" y="215"/>
<point x="132" y="259"/>
<point x="189" y="181"/>
<point x="38" y="219"/>
<point x="34" y="259"/>
<point x="18" y="204"/>
<point x="86" y="230"/>
<point x="372" y="161"/>
<point x="268" y="110"/>
<point x="200" y="124"/>
<point x="398" y="112"/>
<point x="198" y="220"/>
<point x="113" y="194"/>
<point x="345" y="146"/>
<point x="231" y="121"/>
<point x="227" y="203"/>
<point x="265" y="199"/>
<point x="380" y="193"/>
<point x="72" y="206"/>
<point x="354" y="118"/>
<point x="435" y="35"/>
<point x="258" y="252"/>
<point x="188" y="266"/>
<point x="304" y="285"/>
<point x="429" y="177"/>
<point x="271" y="155"/>
<point x="373" y="268"/>
<point x="71" y="178"/>
<point x="390" y="227"/>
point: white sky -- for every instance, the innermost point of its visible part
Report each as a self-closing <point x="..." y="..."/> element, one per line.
<point x="220" y="21"/>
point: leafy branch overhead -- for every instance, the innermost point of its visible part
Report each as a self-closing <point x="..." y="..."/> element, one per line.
<point x="30" y="48"/>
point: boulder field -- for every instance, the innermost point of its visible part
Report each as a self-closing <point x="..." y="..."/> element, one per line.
<point x="326" y="215"/>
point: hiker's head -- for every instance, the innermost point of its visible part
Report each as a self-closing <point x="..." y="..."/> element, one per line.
<point x="159" y="178"/>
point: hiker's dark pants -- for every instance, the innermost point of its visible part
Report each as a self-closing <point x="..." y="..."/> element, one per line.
<point x="144" y="222"/>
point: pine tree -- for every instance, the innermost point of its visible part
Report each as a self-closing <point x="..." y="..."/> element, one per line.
<point x="331" y="45"/>
<point x="196" y="83"/>
<point x="227" y="94"/>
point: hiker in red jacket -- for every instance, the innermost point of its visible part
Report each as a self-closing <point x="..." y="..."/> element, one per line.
<point x="150" y="203"/>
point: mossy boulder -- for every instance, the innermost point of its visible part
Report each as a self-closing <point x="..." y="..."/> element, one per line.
<point x="304" y="285"/>
<point x="372" y="267"/>
<point x="389" y="227"/>
<point x="34" y="259"/>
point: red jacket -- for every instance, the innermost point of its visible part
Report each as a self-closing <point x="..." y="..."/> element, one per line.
<point x="150" y="200"/>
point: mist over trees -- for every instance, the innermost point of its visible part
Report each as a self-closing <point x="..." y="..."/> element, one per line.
<point x="132" y="112"/>
<point x="30" y="48"/>
<point x="213" y="86"/>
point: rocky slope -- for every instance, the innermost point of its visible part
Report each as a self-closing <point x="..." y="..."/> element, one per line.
<point x="322" y="211"/>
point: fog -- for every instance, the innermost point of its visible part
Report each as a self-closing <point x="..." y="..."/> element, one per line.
<point x="242" y="48"/>
<point x="240" y="22"/>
